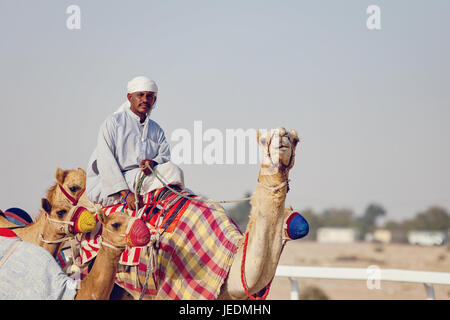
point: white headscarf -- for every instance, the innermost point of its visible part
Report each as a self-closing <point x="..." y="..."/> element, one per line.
<point x="136" y="84"/>
<point x="142" y="83"/>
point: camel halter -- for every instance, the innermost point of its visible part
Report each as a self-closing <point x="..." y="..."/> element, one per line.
<point x="276" y="188"/>
<point x="84" y="222"/>
<point x="73" y="200"/>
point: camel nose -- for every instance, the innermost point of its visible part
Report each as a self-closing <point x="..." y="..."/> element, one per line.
<point x="139" y="235"/>
<point x="83" y="221"/>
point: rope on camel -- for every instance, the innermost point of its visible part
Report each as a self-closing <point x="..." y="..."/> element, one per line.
<point x="141" y="180"/>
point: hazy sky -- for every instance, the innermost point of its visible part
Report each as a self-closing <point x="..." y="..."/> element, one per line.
<point x="372" y="108"/>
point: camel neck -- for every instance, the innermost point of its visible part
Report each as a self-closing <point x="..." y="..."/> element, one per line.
<point x="265" y="230"/>
<point x="31" y="234"/>
<point x="99" y="283"/>
<point x="49" y="235"/>
<point x="272" y="180"/>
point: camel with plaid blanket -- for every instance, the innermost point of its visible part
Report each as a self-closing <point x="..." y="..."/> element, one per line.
<point x="200" y="252"/>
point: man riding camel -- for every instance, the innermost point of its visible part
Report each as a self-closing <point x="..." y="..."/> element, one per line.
<point x="127" y="141"/>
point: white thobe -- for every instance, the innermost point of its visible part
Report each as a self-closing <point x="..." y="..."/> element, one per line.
<point x="123" y="142"/>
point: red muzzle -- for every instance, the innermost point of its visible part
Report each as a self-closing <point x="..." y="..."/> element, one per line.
<point x="138" y="234"/>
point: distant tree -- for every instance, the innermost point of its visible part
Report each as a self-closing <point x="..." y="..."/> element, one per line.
<point x="334" y="217"/>
<point x="392" y="225"/>
<point x="314" y="220"/>
<point x="434" y="218"/>
<point x="372" y="213"/>
<point x="367" y="222"/>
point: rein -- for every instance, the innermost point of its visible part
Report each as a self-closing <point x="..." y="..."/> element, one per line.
<point x="244" y="283"/>
<point x="141" y="180"/>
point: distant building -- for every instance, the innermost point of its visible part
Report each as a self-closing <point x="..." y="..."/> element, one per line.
<point x="448" y="237"/>
<point x="399" y="236"/>
<point x="336" y="235"/>
<point x="427" y="237"/>
<point x="387" y="236"/>
<point x="382" y="235"/>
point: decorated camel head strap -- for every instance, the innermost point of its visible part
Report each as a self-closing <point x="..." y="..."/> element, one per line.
<point x="73" y="200"/>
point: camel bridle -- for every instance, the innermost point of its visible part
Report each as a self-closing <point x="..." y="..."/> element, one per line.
<point x="286" y="182"/>
<point x="126" y="235"/>
<point x="72" y="200"/>
<point x="64" y="225"/>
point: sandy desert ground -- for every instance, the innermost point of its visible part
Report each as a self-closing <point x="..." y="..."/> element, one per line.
<point x="363" y="255"/>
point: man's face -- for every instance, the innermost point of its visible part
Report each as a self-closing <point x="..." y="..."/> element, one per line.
<point x="141" y="102"/>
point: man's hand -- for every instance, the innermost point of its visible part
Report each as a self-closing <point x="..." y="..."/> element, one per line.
<point x="130" y="200"/>
<point x="146" y="170"/>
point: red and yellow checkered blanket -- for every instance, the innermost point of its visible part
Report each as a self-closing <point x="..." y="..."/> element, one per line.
<point x="196" y="248"/>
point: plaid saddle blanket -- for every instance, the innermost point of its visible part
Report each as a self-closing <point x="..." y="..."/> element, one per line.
<point x="195" y="251"/>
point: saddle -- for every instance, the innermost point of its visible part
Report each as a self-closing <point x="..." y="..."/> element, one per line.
<point x="17" y="216"/>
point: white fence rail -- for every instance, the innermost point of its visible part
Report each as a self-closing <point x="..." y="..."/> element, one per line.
<point x="425" y="277"/>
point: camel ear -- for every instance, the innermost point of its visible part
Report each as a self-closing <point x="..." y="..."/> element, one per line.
<point x="82" y="170"/>
<point x="295" y="137"/>
<point x="101" y="216"/>
<point x="46" y="205"/>
<point x="60" y="175"/>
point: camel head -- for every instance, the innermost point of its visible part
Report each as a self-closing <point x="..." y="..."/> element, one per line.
<point x="278" y="147"/>
<point x="121" y="230"/>
<point x="65" y="219"/>
<point x="72" y="183"/>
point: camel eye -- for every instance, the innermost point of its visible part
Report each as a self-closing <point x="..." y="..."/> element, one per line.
<point x="74" y="189"/>
<point x="116" y="225"/>
<point x="61" y="213"/>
